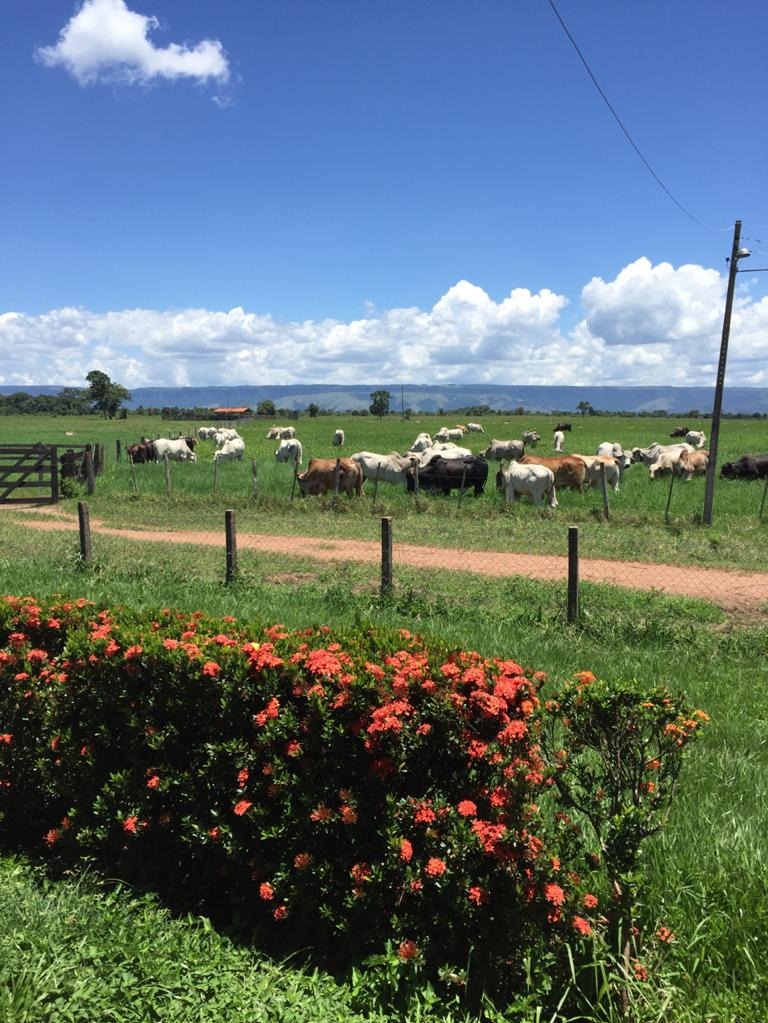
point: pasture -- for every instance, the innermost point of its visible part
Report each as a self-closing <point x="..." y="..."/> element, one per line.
<point x="636" y="530"/>
<point x="706" y="873"/>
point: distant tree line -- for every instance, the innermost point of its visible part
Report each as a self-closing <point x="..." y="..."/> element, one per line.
<point x="102" y="397"/>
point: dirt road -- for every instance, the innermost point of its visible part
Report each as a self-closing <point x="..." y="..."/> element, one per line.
<point x="729" y="589"/>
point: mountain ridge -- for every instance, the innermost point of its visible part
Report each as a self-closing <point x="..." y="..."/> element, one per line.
<point x="446" y="397"/>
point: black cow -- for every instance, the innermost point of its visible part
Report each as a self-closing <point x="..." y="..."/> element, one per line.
<point x="565" y="427"/>
<point x="748" y="467"/>
<point x="679" y="431"/>
<point x="447" y="474"/>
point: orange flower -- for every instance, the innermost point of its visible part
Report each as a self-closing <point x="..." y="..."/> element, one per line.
<point x="408" y="950"/>
<point x="266" y="891"/>
<point x="280" y="913"/>
<point x="581" y="925"/>
<point x="153" y="782"/>
<point x="211" y="669"/>
<point x="406" y="850"/>
<point x="467" y="808"/>
<point x="242" y="807"/>
<point x="302" y="860"/>
<point x="664" y="934"/>
<point x="589" y="901"/>
<point x="435" y="867"/>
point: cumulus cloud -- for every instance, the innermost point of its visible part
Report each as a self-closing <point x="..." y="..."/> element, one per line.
<point x="106" y="42"/>
<point x="649" y="325"/>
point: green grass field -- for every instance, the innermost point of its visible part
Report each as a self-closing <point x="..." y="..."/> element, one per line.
<point x="636" y="528"/>
<point x="707" y="873"/>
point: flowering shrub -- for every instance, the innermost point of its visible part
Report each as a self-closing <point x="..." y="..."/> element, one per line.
<point x="363" y="796"/>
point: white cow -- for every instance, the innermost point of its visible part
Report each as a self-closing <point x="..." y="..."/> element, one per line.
<point x="558" y="440"/>
<point x="498" y="450"/>
<point x="273" y="433"/>
<point x="612" y="471"/>
<point x="391" y="468"/>
<point x="537" y="481"/>
<point x="286" y="433"/>
<point x="695" y="437"/>
<point x="206" y="432"/>
<point x="177" y="450"/>
<point x="444" y="434"/>
<point x="614" y="450"/>
<point x="660" y="458"/>
<point x="290" y="450"/>
<point x="422" y="442"/>
<point x="531" y="438"/>
<point x="338" y="438"/>
<point x="232" y="449"/>
<point x="444" y="450"/>
<point x="475" y="428"/>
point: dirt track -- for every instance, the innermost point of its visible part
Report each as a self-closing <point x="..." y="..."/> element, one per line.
<point x="730" y="589"/>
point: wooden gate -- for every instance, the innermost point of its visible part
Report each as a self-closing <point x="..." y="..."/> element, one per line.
<point x="29" y="474"/>
<point x="36" y="470"/>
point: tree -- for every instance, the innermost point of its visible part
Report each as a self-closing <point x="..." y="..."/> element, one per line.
<point x="104" y="395"/>
<point x="380" y="403"/>
<point x="266" y="408"/>
<point x="585" y="408"/>
<point x="313" y="410"/>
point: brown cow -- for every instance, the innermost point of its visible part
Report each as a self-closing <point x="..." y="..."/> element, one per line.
<point x="320" y="477"/>
<point x="692" y="463"/>
<point x="569" y="470"/>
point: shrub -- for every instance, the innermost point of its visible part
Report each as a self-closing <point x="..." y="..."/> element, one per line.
<point x="367" y="796"/>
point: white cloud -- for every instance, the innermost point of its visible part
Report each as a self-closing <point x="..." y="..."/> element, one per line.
<point x="650" y="325"/>
<point x="105" y="41"/>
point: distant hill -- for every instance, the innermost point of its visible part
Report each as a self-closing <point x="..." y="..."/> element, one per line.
<point x="424" y="398"/>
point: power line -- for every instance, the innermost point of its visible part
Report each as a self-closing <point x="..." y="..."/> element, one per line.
<point x="622" y="125"/>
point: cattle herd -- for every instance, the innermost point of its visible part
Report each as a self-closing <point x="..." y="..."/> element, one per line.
<point x="439" y="464"/>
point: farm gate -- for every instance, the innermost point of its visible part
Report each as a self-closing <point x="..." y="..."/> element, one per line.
<point x="32" y="473"/>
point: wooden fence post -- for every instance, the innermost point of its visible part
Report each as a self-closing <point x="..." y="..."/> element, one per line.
<point x="118" y="450"/>
<point x="167" y="474"/>
<point x="463" y="481"/>
<point x="215" y="473"/>
<point x="386" y="555"/>
<point x="336" y="478"/>
<point x="762" y="503"/>
<point x="376" y="484"/>
<point x="90" y="479"/>
<point x="84" y="522"/>
<point x="573" y="573"/>
<point x="669" y="496"/>
<point x="54" y="453"/>
<point x="230" y="534"/>
<point x="133" y="473"/>
<point x="604" y="488"/>
<point x="254" y="477"/>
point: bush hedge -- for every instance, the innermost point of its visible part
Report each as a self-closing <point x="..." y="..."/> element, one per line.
<point x="350" y="794"/>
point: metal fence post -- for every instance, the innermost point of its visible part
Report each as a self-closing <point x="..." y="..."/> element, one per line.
<point x="386" y="555"/>
<point x="230" y="535"/>
<point x="573" y="573"/>
<point x="84" y="522"/>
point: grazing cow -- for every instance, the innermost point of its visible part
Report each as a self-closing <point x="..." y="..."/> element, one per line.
<point x="692" y="463"/>
<point x="231" y="450"/>
<point x="444" y="450"/>
<point x="391" y="468"/>
<point x="320" y="477"/>
<point x="191" y="442"/>
<point x="448" y="474"/>
<point x="176" y="450"/>
<point x="206" y="432"/>
<point x="338" y="438"/>
<point x="696" y="437"/>
<point x="612" y="471"/>
<point x="565" y="427"/>
<point x="475" y="428"/>
<point x="463" y="427"/>
<point x="537" y="481"/>
<point x="531" y="438"/>
<point x="679" y="431"/>
<point x="273" y="433"/>
<point x="422" y="442"/>
<point x="748" y="467"/>
<point x="444" y="434"/>
<point x="498" y="450"/>
<point x="569" y="471"/>
<point x="290" y="451"/>
<point x="558" y="440"/>
<point x="140" y="453"/>
<point x="660" y="459"/>
<point x="617" y="452"/>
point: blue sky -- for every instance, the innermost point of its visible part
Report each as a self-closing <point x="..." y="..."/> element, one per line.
<point x="255" y="191"/>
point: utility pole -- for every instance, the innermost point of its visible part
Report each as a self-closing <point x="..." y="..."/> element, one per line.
<point x="709" y="487"/>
